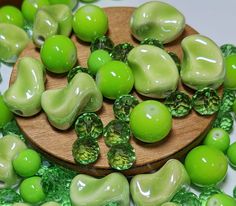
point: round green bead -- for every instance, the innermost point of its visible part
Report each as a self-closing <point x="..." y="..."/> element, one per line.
<point x="70" y="3"/>
<point x="230" y="76"/>
<point x="231" y="153"/>
<point x="6" y="115"/>
<point x="221" y="200"/>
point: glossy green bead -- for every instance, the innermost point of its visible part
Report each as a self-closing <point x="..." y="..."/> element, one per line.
<point x="150" y="121"/>
<point x="27" y="163"/>
<point x="217" y="138"/>
<point x="70" y="3"/>
<point x="231" y="153"/>
<point x="31" y="190"/>
<point x="89" y="22"/>
<point x="114" y="79"/>
<point x="97" y="59"/>
<point x="11" y="15"/>
<point x="58" y="54"/>
<point x="6" y="115"/>
<point x="221" y="200"/>
<point x="234" y="107"/>
<point x="206" y="166"/>
<point x="228" y="49"/>
<point x="29" y="8"/>
<point x="230" y="76"/>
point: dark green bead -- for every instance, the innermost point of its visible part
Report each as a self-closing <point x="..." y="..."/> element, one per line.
<point x="234" y="192"/>
<point x="123" y="106"/>
<point x="179" y="104"/>
<point x="9" y="196"/>
<point x="103" y="42"/>
<point x="175" y="59"/>
<point x="120" y="52"/>
<point x="206" y="101"/>
<point x="227" y="100"/>
<point x="153" y="42"/>
<point x="228" y="49"/>
<point x="88" y="125"/>
<point x="207" y="193"/>
<point x="85" y="151"/>
<point x="224" y="120"/>
<point x="121" y="157"/>
<point x="116" y="132"/>
<point x="77" y="69"/>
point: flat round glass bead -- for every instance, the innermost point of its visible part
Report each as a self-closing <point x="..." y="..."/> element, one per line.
<point x="121" y="157"/>
<point x="89" y="125"/>
<point x="85" y="151"/>
<point x="224" y="120"/>
<point x="207" y="193"/>
<point x="228" y="49"/>
<point x="103" y="42"/>
<point x="123" y="106"/>
<point x="120" y="52"/>
<point x="75" y="70"/>
<point x="206" y="101"/>
<point x="9" y="196"/>
<point x="153" y="42"/>
<point x="175" y="59"/>
<point x="227" y="100"/>
<point x="116" y="132"/>
<point x="179" y="104"/>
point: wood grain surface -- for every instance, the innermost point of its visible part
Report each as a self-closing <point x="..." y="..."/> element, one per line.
<point x="186" y="132"/>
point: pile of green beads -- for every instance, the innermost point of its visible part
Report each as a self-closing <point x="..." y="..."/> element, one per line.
<point x="179" y="104"/>
<point x="121" y="156"/>
<point x="120" y="52"/>
<point x="75" y="70"/>
<point x="207" y="193"/>
<point x="116" y="132"/>
<point x="224" y="120"/>
<point x="103" y="42"/>
<point x="206" y="101"/>
<point x="228" y="49"/>
<point x="88" y="125"/>
<point x="9" y="196"/>
<point x="123" y="106"/>
<point x="153" y="42"/>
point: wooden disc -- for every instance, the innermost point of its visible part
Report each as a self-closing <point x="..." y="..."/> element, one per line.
<point x="57" y="145"/>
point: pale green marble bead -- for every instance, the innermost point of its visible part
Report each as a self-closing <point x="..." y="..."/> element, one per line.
<point x="23" y="97"/>
<point x="158" y="20"/>
<point x="89" y="191"/>
<point x="62" y="106"/>
<point x="155" y="72"/>
<point x="203" y="64"/>
<point x="159" y="187"/>
<point x="13" y="40"/>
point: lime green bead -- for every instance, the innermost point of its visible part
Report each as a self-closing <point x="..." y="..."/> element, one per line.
<point x="231" y="153"/>
<point x="221" y="200"/>
<point x="27" y="163"/>
<point x="70" y="3"/>
<point x="97" y="59"/>
<point x="234" y="107"/>
<point x="230" y="76"/>
<point x="31" y="190"/>
<point x="206" y="166"/>
<point x="11" y="15"/>
<point x="6" y="115"/>
<point x="58" y="54"/>
<point x="217" y="138"/>
<point x="89" y="22"/>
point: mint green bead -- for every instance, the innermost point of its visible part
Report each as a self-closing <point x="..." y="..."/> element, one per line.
<point x="97" y="59"/>
<point x="231" y="153"/>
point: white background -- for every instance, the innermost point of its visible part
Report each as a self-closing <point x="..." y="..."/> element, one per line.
<point x="215" y="19"/>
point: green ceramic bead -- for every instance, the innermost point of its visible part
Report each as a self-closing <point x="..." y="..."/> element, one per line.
<point x="103" y="42"/>
<point x="228" y="49"/>
<point x="152" y="41"/>
<point x="71" y="3"/>
<point x="75" y="70"/>
<point x="6" y="114"/>
<point x="121" y="51"/>
<point x="221" y="200"/>
<point x="231" y="153"/>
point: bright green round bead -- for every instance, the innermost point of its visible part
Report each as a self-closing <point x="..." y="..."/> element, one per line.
<point x="97" y="59"/>
<point x="5" y="114"/>
<point x="31" y="190"/>
<point x="234" y="107"/>
<point x="217" y="138"/>
<point x="11" y="15"/>
<point x="58" y="54"/>
<point x="27" y="163"/>
<point x="231" y="153"/>
<point x="150" y="121"/>
<point x="221" y="200"/>
<point x="114" y="79"/>
<point x="230" y="75"/>
<point x="206" y="166"/>
<point x="89" y="22"/>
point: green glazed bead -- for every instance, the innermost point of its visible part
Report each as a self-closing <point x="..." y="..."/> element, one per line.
<point x="221" y="200"/>
<point x="103" y="42"/>
<point x="228" y="49"/>
<point x="231" y="153"/>
<point x="6" y="115"/>
<point x="121" y="51"/>
<point x="152" y="41"/>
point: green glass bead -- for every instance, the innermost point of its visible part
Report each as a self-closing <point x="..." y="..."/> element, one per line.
<point x="153" y="42"/>
<point x="227" y="100"/>
<point x="9" y="196"/>
<point x="120" y="51"/>
<point x="123" y="106"/>
<point x="176" y="59"/>
<point x="228" y="49"/>
<point x="103" y="42"/>
<point x="113" y="204"/>
<point x="116" y="132"/>
<point x="28" y="29"/>
<point x="206" y="193"/>
<point x="85" y="151"/>
<point x="121" y="156"/>
<point x="75" y="70"/>
<point x="206" y="101"/>
<point x="88" y="125"/>
<point x="224" y="120"/>
<point x="179" y="104"/>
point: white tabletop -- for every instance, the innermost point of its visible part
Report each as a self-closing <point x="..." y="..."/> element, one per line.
<point x="215" y="19"/>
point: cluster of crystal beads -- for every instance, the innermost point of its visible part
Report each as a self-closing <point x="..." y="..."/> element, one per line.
<point x="153" y="42"/>
<point x="103" y="42"/>
<point x="76" y="70"/>
<point x="120" y="52"/>
<point x="9" y="196"/>
<point x="224" y="120"/>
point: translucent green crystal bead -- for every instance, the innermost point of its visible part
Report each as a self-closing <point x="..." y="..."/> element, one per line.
<point x="103" y="42"/>
<point x="88" y="125"/>
<point x="113" y="204"/>
<point x="206" y="101"/>
<point x="123" y="106"/>
<point x="152" y="41"/>
<point x="121" y="157"/>
<point x="28" y="29"/>
<point x="228" y="49"/>
<point x="207" y="193"/>
<point x="179" y="104"/>
<point x="176" y="59"/>
<point x="224" y="120"/>
<point x="75" y="70"/>
<point x="85" y="151"/>
<point x="116" y="132"/>
<point x="227" y="100"/>
<point x="8" y="197"/>
<point x="120" y="52"/>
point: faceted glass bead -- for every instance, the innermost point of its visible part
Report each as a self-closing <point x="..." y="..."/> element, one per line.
<point x="8" y="197"/>
<point x="206" y="101"/>
<point x="103" y="42"/>
<point x="29" y="30"/>
<point x="207" y="193"/>
<point x="113" y="204"/>
<point x="153" y="42"/>
<point x="179" y="104"/>
<point x="227" y="100"/>
<point x="224" y="120"/>
<point x="176" y="59"/>
<point x="228" y="49"/>
<point x="88" y="125"/>
<point x="121" y="156"/>
<point x="120" y="52"/>
<point x="123" y="106"/>
<point x="116" y="132"/>
<point x="75" y="70"/>
<point x="85" y="151"/>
